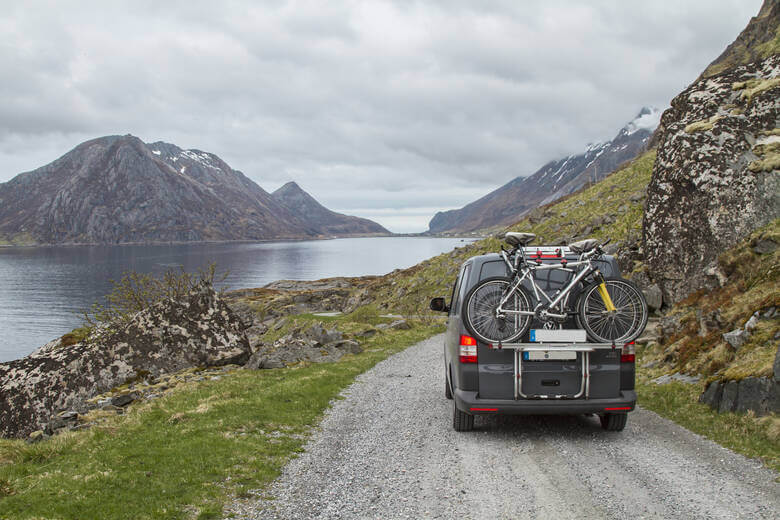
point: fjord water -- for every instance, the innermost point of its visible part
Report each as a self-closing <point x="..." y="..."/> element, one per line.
<point x="45" y="289"/>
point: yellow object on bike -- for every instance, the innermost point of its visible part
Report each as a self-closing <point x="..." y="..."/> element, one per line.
<point x="605" y="296"/>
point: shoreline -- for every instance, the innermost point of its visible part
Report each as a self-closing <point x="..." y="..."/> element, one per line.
<point x="243" y="241"/>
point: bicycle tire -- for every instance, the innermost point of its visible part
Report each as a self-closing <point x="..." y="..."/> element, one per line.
<point x="479" y="307"/>
<point x="625" y="324"/>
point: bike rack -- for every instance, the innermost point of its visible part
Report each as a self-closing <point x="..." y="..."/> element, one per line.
<point x="584" y="348"/>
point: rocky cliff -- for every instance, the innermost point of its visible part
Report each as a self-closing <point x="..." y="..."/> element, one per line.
<point x="759" y="40"/>
<point x="554" y="180"/>
<point x="715" y="178"/>
<point x="321" y="219"/>
<point x="117" y="189"/>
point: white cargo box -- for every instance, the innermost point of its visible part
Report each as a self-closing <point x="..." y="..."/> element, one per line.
<point x="558" y="336"/>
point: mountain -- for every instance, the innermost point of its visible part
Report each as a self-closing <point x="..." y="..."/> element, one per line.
<point x="552" y="181"/>
<point x="760" y="39"/>
<point x="320" y="218"/>
<point x="118" y="189"/>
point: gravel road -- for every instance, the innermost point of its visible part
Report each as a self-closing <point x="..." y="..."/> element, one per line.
<point x="388" y="451"/>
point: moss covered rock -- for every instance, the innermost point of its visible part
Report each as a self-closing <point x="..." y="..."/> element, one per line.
<point x="169" y="336"/>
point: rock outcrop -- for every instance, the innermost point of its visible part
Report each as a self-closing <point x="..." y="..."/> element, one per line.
<point x="556" y="179"/>
<point x="715" y="178"/>
<point x="314" y="344"/>
<point x="757" y="41"/>
<point x="167" y="337"/>
<point x="761" y="395"/>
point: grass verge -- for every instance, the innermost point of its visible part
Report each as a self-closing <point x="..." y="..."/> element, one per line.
<point x="183" y="455"/>
<point x="744" y="433"/>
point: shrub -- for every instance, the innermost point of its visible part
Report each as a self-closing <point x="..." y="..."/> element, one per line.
<point x="137" y="291"/>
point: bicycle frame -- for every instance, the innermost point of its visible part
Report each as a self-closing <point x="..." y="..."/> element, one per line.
<point x="529" y="270"/>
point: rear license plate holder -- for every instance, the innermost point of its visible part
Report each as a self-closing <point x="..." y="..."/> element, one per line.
<point x="550" y="355"/>
<point x="557" y="335"/>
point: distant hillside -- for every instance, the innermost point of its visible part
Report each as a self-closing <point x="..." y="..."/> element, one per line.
<point x="117" y="189"/>
<point x="760" y="39"/>
<point x="554" y="180"/>
<point x="320" y="218"/>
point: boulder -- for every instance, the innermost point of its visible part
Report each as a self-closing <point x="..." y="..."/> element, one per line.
<point x="736" y="338"/>
<point x="169" y="336"/>
<point x="761" y="395"/>
<point x="715" y="178"/>
<point x="764" y="246"/>
<point x="400" y="324"/>
<point x="773" y="401"/>
<point x="752" y="323"/>
<point x="653" y="296"/>
<point x="318" y="334"/>
<point x="728" y="399"/>
<point x="349" y="345"/>
<point x="709" y="322"/>
<point x="776" y="366"/>
<point x="753" y="395"/>
<point x="314" y="345"/>
<point x="681" y="378"/>
<point x="123" y="400"/>
<point x="712" y="395"/>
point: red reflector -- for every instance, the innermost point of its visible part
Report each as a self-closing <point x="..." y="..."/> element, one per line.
<point x="468" y="341"/>
<point x="483" y="409"/>
<point x="617" y="408"/>
<point x="627" y="353"/>
<point x="468" y="359"/>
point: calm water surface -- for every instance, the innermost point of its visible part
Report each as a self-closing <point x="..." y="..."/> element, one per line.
<point x="43" y="290"/>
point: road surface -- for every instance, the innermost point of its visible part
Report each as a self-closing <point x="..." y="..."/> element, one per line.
<point x="388" y="451"/>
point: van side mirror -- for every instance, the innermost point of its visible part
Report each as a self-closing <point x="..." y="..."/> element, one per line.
<point x="439" y="305"/>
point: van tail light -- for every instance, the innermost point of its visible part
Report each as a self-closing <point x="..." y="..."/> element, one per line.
<point x="628" y="353"/>
<point x="468" y="349"/>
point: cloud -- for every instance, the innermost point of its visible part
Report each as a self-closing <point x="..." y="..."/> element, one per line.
<point x="371" y="106"/>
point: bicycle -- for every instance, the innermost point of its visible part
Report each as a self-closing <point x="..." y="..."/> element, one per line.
<point x="499" y="309"/>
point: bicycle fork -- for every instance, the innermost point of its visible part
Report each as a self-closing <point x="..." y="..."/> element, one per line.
<point x="604" y="293"/>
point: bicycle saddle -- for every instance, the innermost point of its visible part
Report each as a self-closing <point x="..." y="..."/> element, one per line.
<point x="519" y="239"/>
<point x="583" y="246"/>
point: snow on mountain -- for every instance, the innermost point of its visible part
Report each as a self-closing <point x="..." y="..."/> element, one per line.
<point x="648" y="119"/>
<point x="552" y="181"/>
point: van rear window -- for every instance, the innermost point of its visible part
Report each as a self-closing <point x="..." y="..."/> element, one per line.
<point x="494" y="268"/>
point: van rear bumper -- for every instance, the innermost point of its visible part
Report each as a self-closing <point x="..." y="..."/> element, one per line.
<point x="470" y="403"/>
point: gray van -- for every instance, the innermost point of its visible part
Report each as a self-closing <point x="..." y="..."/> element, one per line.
<point x="531" y="377"/>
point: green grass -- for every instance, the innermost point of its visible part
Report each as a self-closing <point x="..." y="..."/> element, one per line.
<point x="743" y="433"/>
<point x="572" y="215"/>
<point x="182" y="455"/>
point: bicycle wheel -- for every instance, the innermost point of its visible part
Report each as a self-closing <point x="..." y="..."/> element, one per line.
<point x="479" y="311"/>
<point x="622" y="325"/>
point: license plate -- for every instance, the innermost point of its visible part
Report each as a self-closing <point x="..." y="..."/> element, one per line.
<point x="547" y="355"/>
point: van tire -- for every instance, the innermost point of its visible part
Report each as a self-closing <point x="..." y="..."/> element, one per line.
<point x="461" y="421"/>
<point x="614" y="422"/>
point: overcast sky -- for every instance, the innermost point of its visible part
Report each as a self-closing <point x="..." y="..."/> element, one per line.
<point x="387" y="110"/>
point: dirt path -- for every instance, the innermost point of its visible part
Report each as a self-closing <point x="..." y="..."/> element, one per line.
<point x="388" y="451"/>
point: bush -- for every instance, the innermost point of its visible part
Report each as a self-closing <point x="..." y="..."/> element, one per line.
<point x="135" y="292"/>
